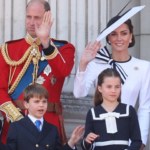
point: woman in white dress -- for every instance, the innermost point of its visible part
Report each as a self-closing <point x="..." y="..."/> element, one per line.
<point x="135" y="73"/>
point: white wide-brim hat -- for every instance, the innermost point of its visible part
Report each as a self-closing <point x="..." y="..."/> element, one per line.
<point x="118" y="20"/>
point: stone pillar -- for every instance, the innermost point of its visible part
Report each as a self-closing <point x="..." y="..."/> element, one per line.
<point x="18" y="25"/>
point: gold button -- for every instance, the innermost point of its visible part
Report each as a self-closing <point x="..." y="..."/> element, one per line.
<point x="37" y="145"/>
<point x="47" y="146"/>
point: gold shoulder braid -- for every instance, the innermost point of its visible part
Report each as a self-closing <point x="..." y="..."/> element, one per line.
<point x="9" y="61"/>
<point x="32" y="53"/>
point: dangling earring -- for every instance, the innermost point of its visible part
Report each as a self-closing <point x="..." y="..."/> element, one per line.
<point x="130" y="41"/>
<point x="109" y="42"/>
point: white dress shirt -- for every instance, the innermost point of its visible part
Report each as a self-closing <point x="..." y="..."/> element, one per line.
<point x="137" y="84"/>
<point x="33" y="119"/>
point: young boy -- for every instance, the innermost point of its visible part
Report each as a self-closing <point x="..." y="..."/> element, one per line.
<point x="33" y="132"/>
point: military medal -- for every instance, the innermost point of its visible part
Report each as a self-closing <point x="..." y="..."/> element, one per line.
<point x="47" y="70"/>
<point x="53" y="79"/>
<point x="43" y="58"/>
<point x="34" y="52"/>
<point x="40" y="80"/>
<point x="57" y="45"/>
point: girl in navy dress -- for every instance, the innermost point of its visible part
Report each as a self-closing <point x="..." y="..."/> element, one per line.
<point x="110" y="124"/>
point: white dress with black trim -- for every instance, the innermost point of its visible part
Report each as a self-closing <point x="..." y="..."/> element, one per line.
<point x="114" y="128"/>
<point x="137" y="84"/>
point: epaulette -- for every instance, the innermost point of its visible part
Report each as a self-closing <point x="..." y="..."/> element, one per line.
<point x="59" y="43"/>
<point x="13" y="41"/>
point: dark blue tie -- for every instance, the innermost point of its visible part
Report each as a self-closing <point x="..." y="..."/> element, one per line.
<point x="38" y="123"/>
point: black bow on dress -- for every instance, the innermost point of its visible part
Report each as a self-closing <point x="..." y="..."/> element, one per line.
<point x="104" y="55"/>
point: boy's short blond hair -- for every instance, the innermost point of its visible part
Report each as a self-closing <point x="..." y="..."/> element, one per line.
<point x="35" y="90"/>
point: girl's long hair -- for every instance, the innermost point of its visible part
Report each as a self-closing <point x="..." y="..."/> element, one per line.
<point x="98" y="99"/>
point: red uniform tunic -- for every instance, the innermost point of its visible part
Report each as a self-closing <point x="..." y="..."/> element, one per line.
<point x="60" y="69"/>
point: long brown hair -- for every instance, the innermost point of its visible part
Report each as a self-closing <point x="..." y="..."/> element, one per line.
<point x="98" y="99"/>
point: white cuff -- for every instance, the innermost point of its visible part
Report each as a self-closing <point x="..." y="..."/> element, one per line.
<point x="72" y="147"/>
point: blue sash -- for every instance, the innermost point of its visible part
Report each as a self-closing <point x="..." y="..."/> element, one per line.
<point x="27" y="79"/>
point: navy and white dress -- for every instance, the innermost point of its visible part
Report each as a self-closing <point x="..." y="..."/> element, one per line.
<point x="136" y="85"/>
<point x="114" y="128"/>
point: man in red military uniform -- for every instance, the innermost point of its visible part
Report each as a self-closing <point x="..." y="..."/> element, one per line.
<point x="35" y="59"/>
